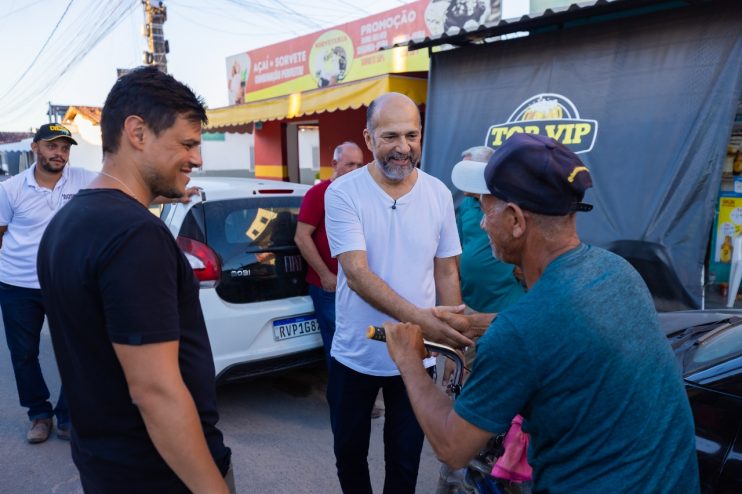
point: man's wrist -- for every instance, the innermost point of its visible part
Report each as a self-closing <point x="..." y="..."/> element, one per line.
<point x="479" y="322"/>
<point x="409" y="364"/>
<point x="419" y="316"/>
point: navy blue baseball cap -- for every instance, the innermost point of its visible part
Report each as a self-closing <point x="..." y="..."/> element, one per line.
<point x="52" y="132"/>
<point x="535" y="172"/>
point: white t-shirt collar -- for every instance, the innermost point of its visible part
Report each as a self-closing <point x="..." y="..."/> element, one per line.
<point x="403" y="200"/>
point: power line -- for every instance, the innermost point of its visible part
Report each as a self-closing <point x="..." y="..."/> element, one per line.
<point x="19" y="9"/>
<point x="79" y="36"/>
<point x="245" y="32"/>
<point x="85" y="23"/>
<point x="30" y="66"/>
<point x="292" y="11"/>
<point x="276" y="12"/>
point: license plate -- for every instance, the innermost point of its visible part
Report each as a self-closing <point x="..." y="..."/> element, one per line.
<point x="283" y="329"/>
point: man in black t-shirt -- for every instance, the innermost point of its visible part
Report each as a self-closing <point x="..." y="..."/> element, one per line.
<point x="123" y="306"/>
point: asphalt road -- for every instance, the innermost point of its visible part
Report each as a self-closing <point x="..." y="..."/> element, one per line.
<point x="278" y="428"/>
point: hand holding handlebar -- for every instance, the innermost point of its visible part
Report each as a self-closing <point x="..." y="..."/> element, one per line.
<point x="379" y="333"/>
<point x="404" y="340"/>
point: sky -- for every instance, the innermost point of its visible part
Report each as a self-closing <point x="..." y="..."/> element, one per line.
<point x="67" y="51"/>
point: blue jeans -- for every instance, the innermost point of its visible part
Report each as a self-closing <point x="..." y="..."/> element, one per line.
<point x="351" y="396"/>
<point x="324" y="309"/>
<point x="23" y="317"/>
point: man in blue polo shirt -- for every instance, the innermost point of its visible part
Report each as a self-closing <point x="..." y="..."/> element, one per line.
<point x="580" y="356"/>
<point x="28" y="201"/>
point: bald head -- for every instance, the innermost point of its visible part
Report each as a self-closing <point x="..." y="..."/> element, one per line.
<point x="346" y="148"/>
<point x="347" y="157"/>
<point x="384" y="103"/>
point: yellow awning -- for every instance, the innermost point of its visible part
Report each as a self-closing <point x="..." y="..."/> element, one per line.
<point x="349" y="95"/>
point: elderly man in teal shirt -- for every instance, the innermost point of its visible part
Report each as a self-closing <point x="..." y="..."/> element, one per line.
<point x="487" y="284"/>
<point x="581" y="357"/>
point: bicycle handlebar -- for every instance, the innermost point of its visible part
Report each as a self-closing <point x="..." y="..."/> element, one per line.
<point x="478" y="477"/>
<point x="378" y="333"/>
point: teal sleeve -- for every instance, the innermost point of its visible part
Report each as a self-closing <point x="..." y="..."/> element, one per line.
<point x="502" y="379"/>
<point x="458" y="227"/>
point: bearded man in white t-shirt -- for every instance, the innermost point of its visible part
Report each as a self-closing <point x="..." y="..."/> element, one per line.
<point x="393" y="230"/>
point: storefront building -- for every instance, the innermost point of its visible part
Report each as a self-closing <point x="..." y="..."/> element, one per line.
<point x="324" y="81"/>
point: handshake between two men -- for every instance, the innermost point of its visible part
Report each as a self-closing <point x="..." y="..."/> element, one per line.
<point x="453" y="326"/>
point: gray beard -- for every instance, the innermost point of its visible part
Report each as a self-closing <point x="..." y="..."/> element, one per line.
<point x="394" y="173"/>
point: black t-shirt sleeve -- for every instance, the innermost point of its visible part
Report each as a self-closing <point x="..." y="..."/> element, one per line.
<point x="138" y="282"/>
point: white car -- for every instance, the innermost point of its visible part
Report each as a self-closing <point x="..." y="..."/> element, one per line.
<point x="239" y="238"/>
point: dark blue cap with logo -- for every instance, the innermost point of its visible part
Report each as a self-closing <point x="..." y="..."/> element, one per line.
<point x="535" y="172"/>
<point x="53" y="131"/>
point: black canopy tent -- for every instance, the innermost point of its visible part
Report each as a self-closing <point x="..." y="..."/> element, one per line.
<point x="647" y="100"/>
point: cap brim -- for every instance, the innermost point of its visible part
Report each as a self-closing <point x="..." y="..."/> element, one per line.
<point x="468" y="176"/>
<point x="54" y="138"/>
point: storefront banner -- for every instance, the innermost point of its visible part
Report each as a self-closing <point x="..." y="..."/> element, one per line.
<point x="647" y="103"/>
<point x="351" y="51"/>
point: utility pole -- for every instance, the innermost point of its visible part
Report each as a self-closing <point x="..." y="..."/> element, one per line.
<point x="155" y="15"/>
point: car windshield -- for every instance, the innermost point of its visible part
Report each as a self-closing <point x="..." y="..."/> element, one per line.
<point x="715" y="347"/>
